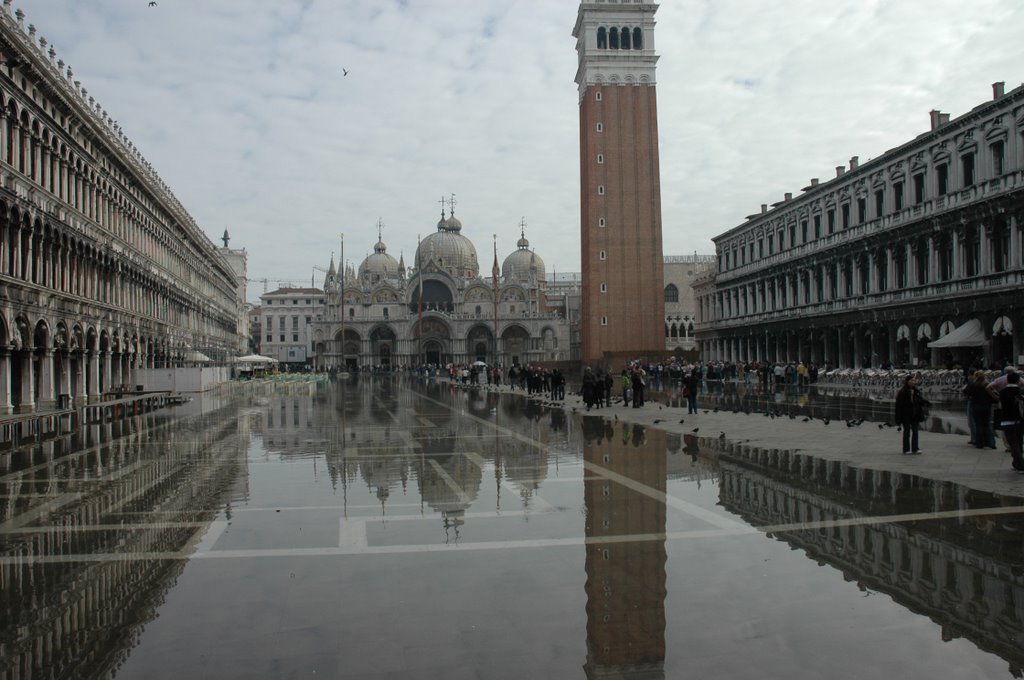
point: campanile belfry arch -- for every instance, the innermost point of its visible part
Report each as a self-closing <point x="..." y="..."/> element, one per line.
<point x="623" y="303"/>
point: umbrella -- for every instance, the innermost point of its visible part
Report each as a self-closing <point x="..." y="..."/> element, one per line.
<point x="479" y="363"/>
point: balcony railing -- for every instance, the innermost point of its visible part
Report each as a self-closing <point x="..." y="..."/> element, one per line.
<point x="983" y="284"/>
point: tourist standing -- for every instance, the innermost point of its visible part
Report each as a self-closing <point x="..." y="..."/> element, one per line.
<point x="979" y="411"/>
<point x="1010" y="420"/>
<point x="639" y="383"/>
<point x="994" y="388"/>
<point x="690" y="387"/>
<point x="909" y="412"/>
<point x="588" y="387"/>
<point x="627" y="387"/>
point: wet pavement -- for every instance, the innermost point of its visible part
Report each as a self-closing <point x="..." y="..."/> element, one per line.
<point x="388" y="528"/>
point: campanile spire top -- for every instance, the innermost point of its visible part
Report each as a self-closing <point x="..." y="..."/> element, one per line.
<point x="615" y="43"/>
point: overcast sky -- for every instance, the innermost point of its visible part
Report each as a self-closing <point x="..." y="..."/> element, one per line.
<point x="243" y="109"/>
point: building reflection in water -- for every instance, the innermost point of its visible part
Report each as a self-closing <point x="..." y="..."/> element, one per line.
<point x="94" y="530"/>
<point x="625" y="549"/>
<point x="96" y="527"/>
<point x="965" y="573"/>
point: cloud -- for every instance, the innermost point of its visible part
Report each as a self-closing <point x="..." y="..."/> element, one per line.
<point x="243" y="109"/>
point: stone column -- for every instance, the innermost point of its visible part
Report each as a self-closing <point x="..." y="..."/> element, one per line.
<point x="6" y="406"/>
<point x="47" y="398"/>
<point x="956" y="266"/>
<point x="28" y="382"/>
<point x="115" y="370"/>
<point x="106" y="385"/>
<point x="985" y="249"/>
<point x="933" y="264"/>
<point x="16" y="250"/>
<point x="94" y="377"/>
<point x="81" y="358"/>
<point x="1016" y="257"/>
<point x="64" y="377"/>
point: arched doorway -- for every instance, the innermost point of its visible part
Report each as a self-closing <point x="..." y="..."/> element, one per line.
<point x="433" y="342"/>
<point x="902" y="357"/>
<point x="1002" y="341"/>
<point x="348" y="347"/>
<point x="433" y="353"/>
<point x="480" y="344"/>
<point x="922" y="355"/>
<point x="516" y="342"/>
<point x="382" y="342"/>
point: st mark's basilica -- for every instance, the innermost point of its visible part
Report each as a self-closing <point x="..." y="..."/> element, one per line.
<point x="442" y="308"/>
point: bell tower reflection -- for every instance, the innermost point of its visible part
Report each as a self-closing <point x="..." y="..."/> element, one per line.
<point x="625" y="544"/>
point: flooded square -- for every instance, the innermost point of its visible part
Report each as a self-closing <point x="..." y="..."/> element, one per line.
<point x="391" y="527"/>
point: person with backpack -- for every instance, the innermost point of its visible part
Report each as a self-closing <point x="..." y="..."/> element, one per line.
<point x="1011" y="407"/>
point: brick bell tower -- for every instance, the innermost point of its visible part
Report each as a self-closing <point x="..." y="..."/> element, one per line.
<point x="623" y="297"/>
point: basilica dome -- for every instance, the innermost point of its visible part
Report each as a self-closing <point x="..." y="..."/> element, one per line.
<point x="379" y="265"/>
<point x="520" y="264"/>
<point x="449" y="250"/>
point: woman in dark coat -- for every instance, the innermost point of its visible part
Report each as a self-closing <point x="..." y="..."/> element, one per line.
<point x="588" y="388"/>
<point x="1010" y="419"/>
<point x="909" y="413"/>
<point x="979" y="410"/>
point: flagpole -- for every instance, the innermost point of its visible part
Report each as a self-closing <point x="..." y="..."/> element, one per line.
<point x="495" y="272"/>
<point x="344" y="368"/>
<point x="419" y="312"/>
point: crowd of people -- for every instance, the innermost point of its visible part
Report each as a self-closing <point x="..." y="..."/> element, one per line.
<point x="996" y="405"/>
<point x="993" y="404"/>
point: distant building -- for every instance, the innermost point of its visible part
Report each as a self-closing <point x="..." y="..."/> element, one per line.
<point x="680" y="304"/>
<point x="104" y="273"/>
<point x="620" y="185"/>
<point x="681" y="271"/>
<point x="287" y="319"/>
<point x="255" y="329"/>
<point x="911" y="258"/>
<point x="441" y="310"/>
<point x="237" y="259"/>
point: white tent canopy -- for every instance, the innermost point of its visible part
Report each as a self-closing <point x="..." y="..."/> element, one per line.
<point x="970" y="334"/>
<point x="256" y="359"/>
<point x="196" y="356"/>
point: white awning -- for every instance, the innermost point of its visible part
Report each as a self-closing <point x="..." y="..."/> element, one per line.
<point x="969" y="334"/>
<point x="1002" y="326"/>
<point x="255" y="359"/>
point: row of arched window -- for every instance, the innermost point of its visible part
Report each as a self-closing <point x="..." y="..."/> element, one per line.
<point x="48" y="256"/>
<point x="616" y="38"/>
<point x="36" y="148"/>
<point x="682" y="330"/>
<point x="56" y="160"/>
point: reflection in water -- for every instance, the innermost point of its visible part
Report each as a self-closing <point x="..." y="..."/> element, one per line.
<point x="97" y="526"/>
<point x="625" y="550"/>
<point x="967" y="576"/>
<point x="125" y="495"/>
